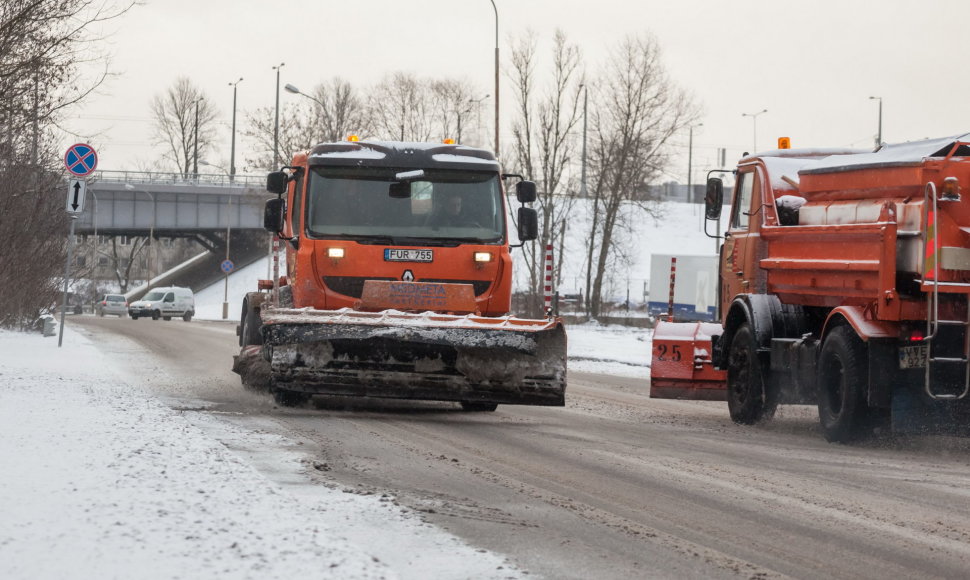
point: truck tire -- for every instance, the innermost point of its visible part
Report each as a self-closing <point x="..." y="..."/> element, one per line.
<point x="188" y="316"/>
<point x="156" y="315"/>
<point x="748" y="400"/>
<point x="843" y="374"/>
<point x="476" y="407"/>
<point x="285" y="398"/>
<point x="250" y="324"/>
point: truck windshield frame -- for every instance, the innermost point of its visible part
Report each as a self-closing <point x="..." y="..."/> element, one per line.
<point x="355" y="203"/>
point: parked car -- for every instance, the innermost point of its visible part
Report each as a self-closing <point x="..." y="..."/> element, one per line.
<point x="112" y="304"/>
<point x="165" y="303"/>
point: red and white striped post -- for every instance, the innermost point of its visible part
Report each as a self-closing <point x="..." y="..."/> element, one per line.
<point x="547" y="287"/>
<point x="673" y="278"/>
<point x="276" y="270"/>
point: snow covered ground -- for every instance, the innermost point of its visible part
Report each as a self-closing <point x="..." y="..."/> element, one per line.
<point x="101" y="480"/>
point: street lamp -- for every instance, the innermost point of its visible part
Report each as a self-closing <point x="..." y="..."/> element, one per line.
<point x="151" y="236"/>
<point x="690" y="159"/>
<point x="496" y="77"/>
<point x="754" y="118"/>
<point x="232" y="154"/>
<point x="225" y="295"/>
<point x="292" y="89"/>
<point x="276" y="126"/>
<point x="879" y="134"/>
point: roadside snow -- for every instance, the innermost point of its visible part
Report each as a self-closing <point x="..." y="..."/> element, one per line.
<point x="101" y="480"/>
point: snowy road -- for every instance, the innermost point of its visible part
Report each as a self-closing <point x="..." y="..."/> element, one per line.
<point x="613" y="486"/>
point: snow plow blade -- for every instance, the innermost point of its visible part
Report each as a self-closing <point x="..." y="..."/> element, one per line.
<point x="395" y="354"/>
<point x="681" y="365"/>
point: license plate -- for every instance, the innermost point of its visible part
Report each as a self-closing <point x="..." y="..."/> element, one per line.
<point x="401" y="255"/>
<point x="912" y="357"/>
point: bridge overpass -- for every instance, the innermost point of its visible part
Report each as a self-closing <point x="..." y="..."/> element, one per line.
<point x="204" y="208"/>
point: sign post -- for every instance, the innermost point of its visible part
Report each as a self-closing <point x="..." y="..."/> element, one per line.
<point x="80" y="161"/>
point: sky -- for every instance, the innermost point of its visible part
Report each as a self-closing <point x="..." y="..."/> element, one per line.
<point x="812" y="65"/>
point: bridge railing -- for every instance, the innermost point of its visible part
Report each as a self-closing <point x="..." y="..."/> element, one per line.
<point x="147" y="177"/>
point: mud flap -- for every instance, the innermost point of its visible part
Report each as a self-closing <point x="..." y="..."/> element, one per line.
<point x="681" y="365"/>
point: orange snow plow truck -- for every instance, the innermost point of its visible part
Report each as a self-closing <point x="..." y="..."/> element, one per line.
<point x="844" y="282"/>
<point x="398" y="282"/>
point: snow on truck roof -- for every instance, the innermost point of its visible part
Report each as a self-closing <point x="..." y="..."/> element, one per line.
<point x="901" y="154"/>
<point x="787" y="164"/>
<point x="402" y="154"/>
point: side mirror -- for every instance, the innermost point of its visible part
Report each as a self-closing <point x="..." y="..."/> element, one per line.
<point x="276" y="182"/>
<point x="525" y="191"/>
<point x="528" y="224"/>
<point x="714" y="198"/>
<point x="273" y="215"/>
<point x="399" y="190"/>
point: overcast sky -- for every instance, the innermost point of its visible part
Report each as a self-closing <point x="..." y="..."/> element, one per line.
<point x="812" y="65"/>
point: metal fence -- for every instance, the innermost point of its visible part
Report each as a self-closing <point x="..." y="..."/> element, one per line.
<point x="206" y="179"/>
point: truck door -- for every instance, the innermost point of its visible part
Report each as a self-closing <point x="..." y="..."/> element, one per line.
<point x="738" y="267"/>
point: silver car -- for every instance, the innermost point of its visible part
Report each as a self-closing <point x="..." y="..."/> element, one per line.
<point x="112" y="304"/>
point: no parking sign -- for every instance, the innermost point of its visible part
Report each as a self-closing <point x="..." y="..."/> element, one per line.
<point x="81" y="159"/>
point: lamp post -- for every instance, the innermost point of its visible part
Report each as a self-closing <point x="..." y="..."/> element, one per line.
<point x="690" y="160"/>
<point x="225" y="294"/>
<point x="151" y="236"/>
<point x="754" y="118"/>
<point x="496" y="78"/>
<point x="232" y="151"/>
<point x="276" y="126"/>
<point x="879" y="134"/>
<point x="195" y="156"/>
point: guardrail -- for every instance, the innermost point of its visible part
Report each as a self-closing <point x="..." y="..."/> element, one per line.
<point x="207" y="179"/>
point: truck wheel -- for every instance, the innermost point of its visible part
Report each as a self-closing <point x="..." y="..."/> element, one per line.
<point x="748" y="401"/>
<point x="156" y="315"/>
<point x="250" y="324"/>
<point x="843" y="373"/>
<point x="286" y="398"/>
<point x="475" y="407"/>
<point x="187" y="316"/>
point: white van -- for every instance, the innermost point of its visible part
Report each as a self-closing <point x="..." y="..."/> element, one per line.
<point x="164" y="303"/>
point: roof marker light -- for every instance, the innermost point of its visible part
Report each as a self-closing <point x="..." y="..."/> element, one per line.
<point x="784" y="143"/>
<point x="353" y="138"/>
<point x="449" y="141"/>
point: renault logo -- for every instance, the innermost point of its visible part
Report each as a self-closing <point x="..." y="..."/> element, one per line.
<point x="407" y="276"/>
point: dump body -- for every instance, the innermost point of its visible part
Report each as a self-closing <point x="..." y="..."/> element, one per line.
<point x="849" y="268"/>
<point x="398" y="283"/>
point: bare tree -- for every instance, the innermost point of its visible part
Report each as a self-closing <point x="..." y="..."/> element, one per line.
<point x="123" y="261"/>
<point x="403" y="108"/>
<point x="340" y="111"/>
<point x="638" y="109"/>
<point x="41" y="44"/>
<point x="545" y="146"/>
<point x="298" y="132"/>
<point x="185" y="124"/>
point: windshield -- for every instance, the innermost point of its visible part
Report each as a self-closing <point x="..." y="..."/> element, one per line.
<point x="444" y="206"/>
<point x="153" y="296"/>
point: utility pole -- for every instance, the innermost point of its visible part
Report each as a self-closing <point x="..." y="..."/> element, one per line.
<point x="195" y="160"/>
<point x="690" y="160"/>
<point x="232" y="154"/>
<point x="496" y="79"/>
<point x="276" y="126"/>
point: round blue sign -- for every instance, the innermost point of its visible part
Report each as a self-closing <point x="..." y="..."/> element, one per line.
<point x="80" y="159"/>
<point x="227" y="266"/>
